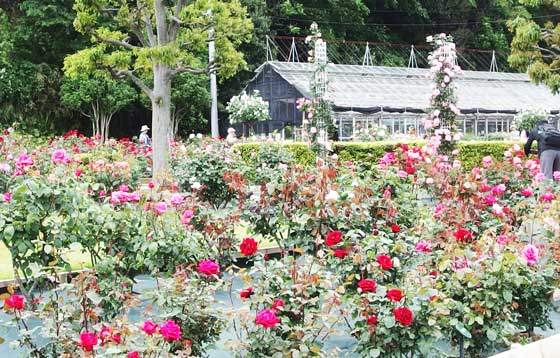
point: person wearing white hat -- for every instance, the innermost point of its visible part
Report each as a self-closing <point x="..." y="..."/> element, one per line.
<point x="231" y="137"/>
<point x="144" y="138"/>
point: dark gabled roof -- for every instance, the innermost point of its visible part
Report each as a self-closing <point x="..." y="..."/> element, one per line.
<point x="366" y="88"/>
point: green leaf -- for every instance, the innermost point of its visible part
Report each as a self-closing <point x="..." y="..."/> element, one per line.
<point x="389" y="321"/>
<point x="9" y="232"/>
<point x="491" y="334"/>
<point x="461" y="329"/>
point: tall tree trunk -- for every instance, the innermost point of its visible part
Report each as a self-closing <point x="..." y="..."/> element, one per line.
<point x="161" y="120"/>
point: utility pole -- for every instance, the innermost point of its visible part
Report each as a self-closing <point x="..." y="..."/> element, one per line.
<point x="213" y="85"/>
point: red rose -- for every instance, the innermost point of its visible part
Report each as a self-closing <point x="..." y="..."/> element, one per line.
<point x="394" y="294"/>
<point x="333" y="238"/>
<point x="372" y="320"/>
<point x="87" y="341"/>
<point x="395" y="228"/>
<point x="15" y="302"/>
<point x="277" y="303"/>
<point x="385" y="262"/>
<point x="462" y="235"/>
<point x="367" y="285"/>
<point x="248" y="247"/>
<point x="133" y="354"/>
<point x="403" y="315"/>
<point x="340" y="253"/>
<point x="246" y="293"/>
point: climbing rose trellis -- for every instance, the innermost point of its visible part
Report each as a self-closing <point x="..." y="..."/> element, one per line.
<point x="443" y="111"/>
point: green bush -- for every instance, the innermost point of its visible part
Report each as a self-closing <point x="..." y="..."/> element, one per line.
<point x="368" y="154"/>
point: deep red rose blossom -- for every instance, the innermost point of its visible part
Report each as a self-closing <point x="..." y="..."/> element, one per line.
<point x="248" y="247"/>
<point x="246" y="293"/>
<point x="367" y="285"/>
<point x="340" y="253"/>
<point x="277" y="303"/>
<point x="385" y="262"/>
<point x="333" y="238"/>
<point x="395" y="228"/>
<point x="372" y="320"/>
<point x="462" y="235"/>
<point x="394" y="294"/>
<point x="403" y="315"/>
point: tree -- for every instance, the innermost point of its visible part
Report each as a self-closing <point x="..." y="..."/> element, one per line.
<point x="536" y="46"/>
<point x="162" y="39"/>
<point x="97" y="98"/>
<point x="35" y="36"/>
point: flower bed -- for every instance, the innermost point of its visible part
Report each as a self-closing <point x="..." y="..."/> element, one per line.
<point x="362" y="255"/>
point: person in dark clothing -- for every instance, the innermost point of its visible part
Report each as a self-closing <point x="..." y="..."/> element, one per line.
<point x="549" y="156"/>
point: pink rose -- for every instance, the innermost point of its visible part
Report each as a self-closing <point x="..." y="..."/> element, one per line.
<point x="187" y="215"/>
<point x="208" y="267"/>
<point x="423" y="246"/>
<point x="15" y="302"/>
<point x="267" y="318"/>
<point x="548" y="197"/>
<point x="59" y="156"/>
<point x="177" y="199"/>
<point x="499" y="189"/>
<point x="526" y="192"/>
<point x="24" y="161"/>
<point x="531" y="254"/>
<point x="78" y="173"/>
<point x="133" y="355"/>
<point x="160" y="208"/>
<point x="8" y="197"/>
<point x="490" y="199"/>
<point x="87" y="341"/>
<point x="170" y="331"/>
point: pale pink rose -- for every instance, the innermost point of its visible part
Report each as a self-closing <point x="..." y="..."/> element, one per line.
<point x="487" y="161"/>
<point x="556" y="175"/>
<point x="402" y="174"/>
<point x="177" y="199"/>
<point x="429" y="181"/>
<point x="60" y="156"/>
<point x="497" y="210"/>
<point x="539" y="177"/>
<point x="531" y="254"/>
<point x="160" y="208"/>
<point x="455" y="151"/>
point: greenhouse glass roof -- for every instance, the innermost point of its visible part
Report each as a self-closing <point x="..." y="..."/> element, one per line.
<point x="370" y="88"/>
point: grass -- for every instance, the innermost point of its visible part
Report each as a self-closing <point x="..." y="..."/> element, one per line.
<point x="79" y="260"/>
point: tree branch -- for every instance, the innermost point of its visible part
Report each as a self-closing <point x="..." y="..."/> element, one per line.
<point x="145" y="15"/>
<point x="212" y="67"/>
<point x="174" y="28"/>
<point x="115" y="42"/>
<point x="136" y="80"/>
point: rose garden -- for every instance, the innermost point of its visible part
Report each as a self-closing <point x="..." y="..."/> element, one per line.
<point x="435" y="246"/>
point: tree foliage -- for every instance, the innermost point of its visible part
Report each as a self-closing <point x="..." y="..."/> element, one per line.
<point x="535" y="45"/>
<point x="98" y="98"/>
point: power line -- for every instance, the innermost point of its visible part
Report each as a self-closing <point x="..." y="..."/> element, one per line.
<point x="407" y="24"/>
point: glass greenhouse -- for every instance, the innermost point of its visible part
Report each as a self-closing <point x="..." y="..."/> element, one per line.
<point x="393" y="99"/>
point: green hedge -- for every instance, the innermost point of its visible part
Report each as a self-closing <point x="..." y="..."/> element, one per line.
<point x="368" y="154"/>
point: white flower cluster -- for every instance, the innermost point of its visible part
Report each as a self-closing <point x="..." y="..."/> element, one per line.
<point x="372" y="133"/>
<point x="247" y="108"/>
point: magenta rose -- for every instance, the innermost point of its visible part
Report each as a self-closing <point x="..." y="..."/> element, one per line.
<point x="267" y="318"/>
<point x="170" y="331"/>
<point x="208" y="268"/>
<point x="149" y="328"/>
<point x="88" y="341"/>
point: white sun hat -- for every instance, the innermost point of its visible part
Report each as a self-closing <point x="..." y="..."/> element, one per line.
<point x="144" y="128"/>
